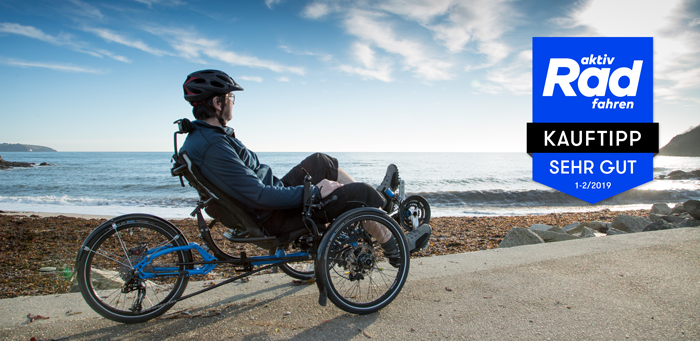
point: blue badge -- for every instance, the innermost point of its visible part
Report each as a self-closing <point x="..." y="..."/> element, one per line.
<point x="592" y="134"/>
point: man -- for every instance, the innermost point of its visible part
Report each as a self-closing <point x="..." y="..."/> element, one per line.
<point x="276" y="203"/>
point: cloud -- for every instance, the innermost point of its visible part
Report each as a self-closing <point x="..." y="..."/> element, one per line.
<point x="193" y="48"/>
<point x="316" y="10"/>
<point x="456" y="23"/>
<point x="372" y="29"/>
<point x="270" y="3"/>
<point x="515" y="78"/>
<point x="169" y="3"/>
<point x="60" y="40"/>
<point x="33" y="32"/>
<point x="322" y="56"/>
<point x="396" y="27"/>
<point x="120" y="39"/>
<point x="251" y="78"/>
<point x="283" y="79"/>
<point x="372" y="69"/>
<point x="86" y="10"/>
<point x="52" y="66"/>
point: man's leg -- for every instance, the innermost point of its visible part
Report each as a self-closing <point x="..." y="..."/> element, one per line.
<point x="343" y="177"/>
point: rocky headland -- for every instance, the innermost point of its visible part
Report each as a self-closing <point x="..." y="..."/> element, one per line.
<point x="9" y="164"/>
<point x="18" y="147"/>
<point x="686" y="144"/>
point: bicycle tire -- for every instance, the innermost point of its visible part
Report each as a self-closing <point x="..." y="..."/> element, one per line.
<point x="414" y="205"/>
<point x="350" y="265"/>
<point x="105" y="269"/>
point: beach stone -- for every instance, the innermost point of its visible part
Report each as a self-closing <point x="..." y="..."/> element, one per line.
<point x="689" y="222"/>
<point x="47" y="269"/>
<point x="675" y="219"/>
<point x="678" y="209"/>
<point x="614" y="231"/>
<point x="587" y="233"/>
<point x="540" y="227"/>
<point x="655" y="217"/>
<point x="659" y="225"/>
<point x="661" y="209"/>
<point x="692" y="207"/>
<point x="543" y="227"/>
<point x="571" y="226"/>
<point x="519" y="236"/>
<point x="630" y="224"/>
<point x="596" y="226"/>
<point x="551" y="236"/>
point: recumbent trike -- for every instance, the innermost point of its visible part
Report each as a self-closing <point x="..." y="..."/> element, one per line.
<point x="135" y="267"/>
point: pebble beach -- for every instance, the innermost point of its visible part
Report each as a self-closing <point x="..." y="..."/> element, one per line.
<point x="30" y="242"/>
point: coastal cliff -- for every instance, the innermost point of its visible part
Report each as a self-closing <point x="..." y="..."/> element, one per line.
<point x="686" y="144"/>
<point x="17" y="147"/>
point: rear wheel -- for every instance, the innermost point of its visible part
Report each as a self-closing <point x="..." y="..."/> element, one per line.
<point x="351" y="265"/>
<point x="106" y="275"/>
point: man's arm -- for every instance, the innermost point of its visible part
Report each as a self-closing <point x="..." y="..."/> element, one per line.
<point x="223" y="167"/>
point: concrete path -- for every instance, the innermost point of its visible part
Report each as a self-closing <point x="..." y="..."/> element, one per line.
<point x="643" y="286"/>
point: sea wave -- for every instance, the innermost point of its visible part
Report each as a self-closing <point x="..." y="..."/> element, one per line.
<point x="535" y="198"/>
<point x="72" y="201"/>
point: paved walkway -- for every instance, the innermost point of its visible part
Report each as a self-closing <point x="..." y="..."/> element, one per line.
<point x="643" y="286"/>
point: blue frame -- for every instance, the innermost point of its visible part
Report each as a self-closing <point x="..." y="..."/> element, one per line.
<point x="279" y="257"/>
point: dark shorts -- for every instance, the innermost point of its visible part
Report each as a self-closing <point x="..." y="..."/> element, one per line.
<point x="321" y="166"/>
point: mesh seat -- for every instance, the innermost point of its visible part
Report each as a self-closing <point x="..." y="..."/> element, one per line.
<point x="218" y="205"/>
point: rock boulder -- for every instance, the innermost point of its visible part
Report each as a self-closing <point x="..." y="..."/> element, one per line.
<point x="551" y="236"/>
<point x="692" y="207"/>
<point x="519" y="236"/>
<point x="630" y="224"/>
<point x="660" y="209"/>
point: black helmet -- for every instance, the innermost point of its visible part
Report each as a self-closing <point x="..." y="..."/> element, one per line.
<point x="203" y="84"/>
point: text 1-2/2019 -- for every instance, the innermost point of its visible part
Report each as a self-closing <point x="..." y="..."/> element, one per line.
<point x="593" y="185"/>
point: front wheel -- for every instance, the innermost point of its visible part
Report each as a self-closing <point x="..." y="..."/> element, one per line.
<point x="414" y="212"/>
<point x="351" y="267"/>
<point x="106" y="274"/>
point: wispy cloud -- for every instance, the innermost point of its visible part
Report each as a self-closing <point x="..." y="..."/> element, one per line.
<point x="515" y="77"/>
<point x="370" y="28"/>
<point x="251" y="78"/>
<point x="456" y="23"/>
<point x="283" y="79"/>
<point x="456" y="26"/>
<point x="87" y="10"/>
<point x="371" y="68"/>
<point x="59" y="40"/>
<point x="322" y="56"/>
<point x="193" y="48"/>
<point x="52" y="66"/>
<point x="316" y="10"/>
<point x="271" y="3"/>
<point x="121" y="39"/>
<point x="150" y="3"/>
<point x="33" y="32"/>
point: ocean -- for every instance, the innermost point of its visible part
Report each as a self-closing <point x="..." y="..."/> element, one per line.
<point x="455" y="184"/>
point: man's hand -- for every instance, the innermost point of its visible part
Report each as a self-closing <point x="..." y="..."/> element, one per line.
<point x="327" y="187"/>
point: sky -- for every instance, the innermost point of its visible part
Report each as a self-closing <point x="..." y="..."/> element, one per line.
<point x="319" y="75"/>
